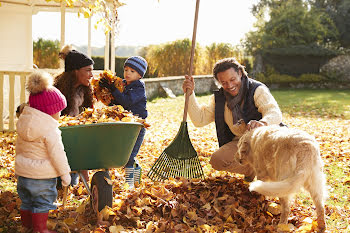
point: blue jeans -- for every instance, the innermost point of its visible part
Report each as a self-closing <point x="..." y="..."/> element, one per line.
<point x="37" y="195"/>
<point x="136" y="149"/>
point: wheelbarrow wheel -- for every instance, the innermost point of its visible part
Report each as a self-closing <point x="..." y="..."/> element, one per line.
<point x="101" y="191"/>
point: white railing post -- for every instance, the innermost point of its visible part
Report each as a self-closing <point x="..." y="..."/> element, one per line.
<point x="12" y="101"/>
<point x="1" y="101"/>
<point x="23" y="88"/>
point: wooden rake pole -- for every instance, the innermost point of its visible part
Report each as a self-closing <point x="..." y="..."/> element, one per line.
<point x="180" y="159"/>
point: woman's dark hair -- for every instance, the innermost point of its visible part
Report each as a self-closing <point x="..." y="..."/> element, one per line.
<point x="227" y="63"/>
<point x="65" y="82"/>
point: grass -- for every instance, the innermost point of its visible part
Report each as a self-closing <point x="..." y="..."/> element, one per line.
<point x="320" y="103"/>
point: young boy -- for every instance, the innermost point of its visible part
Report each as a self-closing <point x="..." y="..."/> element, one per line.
<point x="40" y="155"/>
<point x="134" y="99"/>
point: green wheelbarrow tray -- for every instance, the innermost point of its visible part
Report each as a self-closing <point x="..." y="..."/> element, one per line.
<point x="100" y="145"/>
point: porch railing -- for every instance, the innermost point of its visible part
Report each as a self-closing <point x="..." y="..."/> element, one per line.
<point x="8" y="97"/>
<point x="13" y="92"/>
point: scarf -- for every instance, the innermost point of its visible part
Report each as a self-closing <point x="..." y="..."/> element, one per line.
<point x="235" y="103"/>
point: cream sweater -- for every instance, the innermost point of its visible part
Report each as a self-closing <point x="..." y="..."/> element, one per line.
<point x="39" y="149"/>
<point x="202" y="115"/>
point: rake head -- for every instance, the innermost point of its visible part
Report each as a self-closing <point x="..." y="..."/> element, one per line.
<point x="179" y="159"/>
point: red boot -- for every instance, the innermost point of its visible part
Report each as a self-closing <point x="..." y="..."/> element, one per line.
<point x="39" y="221"/>
<point x="26" y="218"/>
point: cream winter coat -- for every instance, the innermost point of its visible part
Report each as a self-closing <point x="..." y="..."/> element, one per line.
<point x="39" y="149"/>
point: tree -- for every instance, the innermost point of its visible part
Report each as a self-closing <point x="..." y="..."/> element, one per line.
<point x="339" y="11"/>
<point x="45" y="53"/>
<point x="291" y="23"/>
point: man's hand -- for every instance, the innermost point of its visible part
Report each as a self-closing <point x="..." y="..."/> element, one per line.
<point x="104" y="83"/>
<point x="255" y="124"/>
<point x="188" y="84"/>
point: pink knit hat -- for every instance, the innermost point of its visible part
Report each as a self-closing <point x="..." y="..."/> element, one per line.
<point x="43" y="96"/>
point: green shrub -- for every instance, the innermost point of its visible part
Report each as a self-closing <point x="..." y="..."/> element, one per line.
<point x="311" y="78"/>
<point x="283" y="78"/>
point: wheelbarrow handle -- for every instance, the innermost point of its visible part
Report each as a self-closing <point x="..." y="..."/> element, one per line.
<point x="85" y="183"/>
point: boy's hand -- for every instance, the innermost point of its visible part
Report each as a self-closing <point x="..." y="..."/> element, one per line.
<point x="104" y="83"/>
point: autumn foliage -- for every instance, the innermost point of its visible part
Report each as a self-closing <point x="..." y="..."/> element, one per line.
<point x="220" y="203"/>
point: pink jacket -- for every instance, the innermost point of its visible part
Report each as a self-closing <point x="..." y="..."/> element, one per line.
<point x="39" y="149"/>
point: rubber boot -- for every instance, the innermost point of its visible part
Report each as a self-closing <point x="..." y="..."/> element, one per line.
<point x="129" y="177"/>
<point x="39" y="221"/>
<point x="26" y="218"/>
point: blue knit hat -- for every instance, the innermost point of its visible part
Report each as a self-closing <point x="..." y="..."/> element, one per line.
<point x="137" y="63"/>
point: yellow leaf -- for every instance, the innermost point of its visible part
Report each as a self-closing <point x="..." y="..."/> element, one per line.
<point x="269" y="213"/>
<point x="274" y="208"/>
<point x="116" y="229"/>
<point x="285" y="227"/>
<point x="106" y="212"/>
<point x="80" y="190"/>
<point x="192" y="215"/>
<point x="81" y="208"/>
<point x="69" y="221"/>
<point x="229" y="219"/>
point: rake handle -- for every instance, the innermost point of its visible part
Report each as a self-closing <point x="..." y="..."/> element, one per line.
<point x="187" y="96"/>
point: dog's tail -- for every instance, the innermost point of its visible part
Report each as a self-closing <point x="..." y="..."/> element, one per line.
<point x="279" y="188"/>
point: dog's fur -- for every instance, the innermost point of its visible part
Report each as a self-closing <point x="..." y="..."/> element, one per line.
<point x="284" y="160"/>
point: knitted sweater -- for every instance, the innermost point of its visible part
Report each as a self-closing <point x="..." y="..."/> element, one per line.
<point x="202" y="115"/>
<point x="39" y="149"/>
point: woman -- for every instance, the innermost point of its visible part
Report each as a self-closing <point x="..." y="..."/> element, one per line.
<point x="74" y="83"/>
<point x="240" y="104"/>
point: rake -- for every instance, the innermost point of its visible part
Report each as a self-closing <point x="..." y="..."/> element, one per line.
<point x="180" y="159"/>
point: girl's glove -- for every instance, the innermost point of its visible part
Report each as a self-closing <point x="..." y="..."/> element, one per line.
<point x="66" y="179"/>
<point x="104" y="83"/>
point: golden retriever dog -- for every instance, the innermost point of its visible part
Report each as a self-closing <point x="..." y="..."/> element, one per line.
<point x="284" y="160"/>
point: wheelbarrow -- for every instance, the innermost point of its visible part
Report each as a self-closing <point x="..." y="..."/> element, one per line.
<point x="99" y="146"/>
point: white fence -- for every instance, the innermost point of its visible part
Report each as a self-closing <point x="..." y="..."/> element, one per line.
<point x="13" y="92"/>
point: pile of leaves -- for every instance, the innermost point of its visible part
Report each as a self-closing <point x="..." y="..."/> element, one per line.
<point x="220" y="203"/>
<point x="113" y="113"/>
<point x="103" y="94"/>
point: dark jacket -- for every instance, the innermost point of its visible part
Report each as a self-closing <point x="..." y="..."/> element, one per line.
<point x="250" y="111"/>
<point x="133" y="98"/>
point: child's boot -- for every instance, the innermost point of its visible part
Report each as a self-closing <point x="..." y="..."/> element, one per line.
<point x="129" y="177"/>
<point x="39" y="221"/>
<point x="26" y="218"/>
<point x="137" y="175"/>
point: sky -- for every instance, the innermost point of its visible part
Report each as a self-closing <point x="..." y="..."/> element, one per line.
<point x="145" y="22"/>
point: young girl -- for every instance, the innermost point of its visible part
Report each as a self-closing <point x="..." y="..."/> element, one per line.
<point x="40" y="155"/>
<point x="134" y="99"/>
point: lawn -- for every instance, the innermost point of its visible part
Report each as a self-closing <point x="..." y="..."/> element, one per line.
<point x="220" y="203"/>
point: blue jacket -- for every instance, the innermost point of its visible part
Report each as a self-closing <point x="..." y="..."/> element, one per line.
<point x="133" y="98"/>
